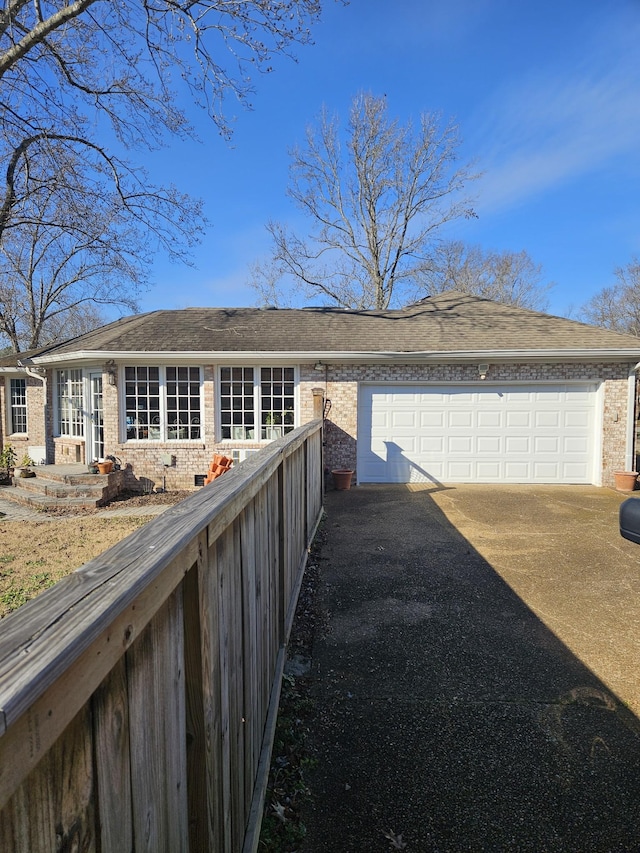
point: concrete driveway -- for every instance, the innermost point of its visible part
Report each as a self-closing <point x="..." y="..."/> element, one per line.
<point x="478" y="684"/>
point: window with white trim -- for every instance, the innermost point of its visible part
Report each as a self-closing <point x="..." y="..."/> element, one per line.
<point x="183" y="402"/>
<point x="70" y="397"/>
<point x="256" y="402"/>
<point x="163" y="403"/>
<point x="18" y="406"/>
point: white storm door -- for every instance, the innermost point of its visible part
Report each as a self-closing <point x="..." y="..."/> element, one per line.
<point x="95" y="433"/>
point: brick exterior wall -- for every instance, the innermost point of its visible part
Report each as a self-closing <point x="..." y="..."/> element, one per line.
<point x="36" y="430"/>
<point x="146" y="461"/>
<point x="342" y="392"/>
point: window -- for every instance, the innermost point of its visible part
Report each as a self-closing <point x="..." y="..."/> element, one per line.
<point x="163" y="403"/>
<point x="70" y="415"/>
<point x="256" y="403"/>
<point x="18" y="405"/>
<point x="183" y="402"/>
<point x="142" y="393"/>
<point x="237" y="402"/>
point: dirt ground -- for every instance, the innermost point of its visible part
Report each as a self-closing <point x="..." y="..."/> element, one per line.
<point x="34" y="555"/>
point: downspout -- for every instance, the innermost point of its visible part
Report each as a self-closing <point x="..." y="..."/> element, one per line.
<point x="631" y="420"/>
<point x="33" y="373"/>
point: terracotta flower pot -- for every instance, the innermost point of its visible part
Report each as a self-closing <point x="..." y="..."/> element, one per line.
<point x="625" y="480"/>
<point x="105" y="467"/>
<point x="342" y="478"/>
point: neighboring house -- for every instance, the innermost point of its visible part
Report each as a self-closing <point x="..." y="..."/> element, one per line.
<point x="452" y="389"/>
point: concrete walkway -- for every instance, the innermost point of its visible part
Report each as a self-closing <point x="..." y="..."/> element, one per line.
<point x="477" y="687"/>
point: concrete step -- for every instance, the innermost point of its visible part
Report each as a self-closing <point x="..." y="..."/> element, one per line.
<point x="58" y="489"/>
<point x="45" y="502"/>
<point x="72" y="474"/>
<point x="60" y="486"/>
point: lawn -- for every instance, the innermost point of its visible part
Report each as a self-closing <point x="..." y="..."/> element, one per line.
<point x="34" y="555"/>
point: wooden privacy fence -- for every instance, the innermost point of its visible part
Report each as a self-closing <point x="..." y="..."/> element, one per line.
<point x="138" y="695"/>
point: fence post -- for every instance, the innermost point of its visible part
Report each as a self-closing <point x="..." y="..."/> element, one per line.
<point x="318" y="414"/>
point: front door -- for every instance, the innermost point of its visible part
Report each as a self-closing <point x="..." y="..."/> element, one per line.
<point x="95" y="443"/>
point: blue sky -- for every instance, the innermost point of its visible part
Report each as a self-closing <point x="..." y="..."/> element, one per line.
<point x="547" y="98"/>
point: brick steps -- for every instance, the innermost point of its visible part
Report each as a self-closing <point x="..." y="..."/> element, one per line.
<point x="57" y="487"/>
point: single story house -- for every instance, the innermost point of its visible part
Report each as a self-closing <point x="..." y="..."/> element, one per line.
<point x="454" y="388"/>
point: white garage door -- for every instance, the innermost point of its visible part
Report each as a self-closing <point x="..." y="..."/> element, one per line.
<point x="466" y="434"/>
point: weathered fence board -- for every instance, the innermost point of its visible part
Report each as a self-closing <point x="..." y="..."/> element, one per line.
<point x="111" y="732"/>
<point x="137" y="695"/>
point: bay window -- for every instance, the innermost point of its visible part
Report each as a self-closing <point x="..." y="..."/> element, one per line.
<point x="256" y="402"/>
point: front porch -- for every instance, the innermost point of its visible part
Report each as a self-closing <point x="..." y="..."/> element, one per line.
<point x="69" y="486"/>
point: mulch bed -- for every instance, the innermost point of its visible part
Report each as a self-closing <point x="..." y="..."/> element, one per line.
<point x="126" y="499"/>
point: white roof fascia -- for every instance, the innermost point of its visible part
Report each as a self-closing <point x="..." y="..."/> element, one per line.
<point x="11" y="370"/>
<point x="229" y="356"/>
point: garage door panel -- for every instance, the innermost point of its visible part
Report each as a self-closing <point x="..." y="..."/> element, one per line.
<point x="518" y="445"/>
<point x="580" y="418"/>
<point x="380" y="420"/>
<point x="460" y="420"/>
<point x="401" y="418"/>
<point x="477" y="434"/>
<point x="489" y="444"/>
<point x="434" y="399"/>
<point x="488" y="472"/>
<point x="379" y="447"/>
<point x="574" y="472"/>
<point x="518" y="420"/>
<point x="546" y="444"/>
<point x="459" y="398"/>
<point x="517" y="472"/>
<point x="489" y="420"/>
<point x="461" y="471"/>
<point x="459" y="444"/>
<point x="575" y="444"/>
<point x="432" y="444"/>
<point x="432" y="419"/>
<point x="546" y="471"/>
<point x="547" y="420"/>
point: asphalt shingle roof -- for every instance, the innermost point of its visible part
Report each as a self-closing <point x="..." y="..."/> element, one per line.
<point x="450" y="322"/>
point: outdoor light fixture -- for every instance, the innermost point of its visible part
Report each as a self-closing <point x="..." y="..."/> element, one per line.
<point x="319" y="366"/>
<point x="483" y="369"/>
<point x="112" y="370"/>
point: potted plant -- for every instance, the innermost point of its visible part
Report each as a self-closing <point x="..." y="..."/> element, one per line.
<point x="92" y="467"/>
<point x="342" y="478"/>
<point x="24" y="469"/>
<point x="105" y="467"/>
<point x="8" y="460"/>
<point x="625" y="480"/>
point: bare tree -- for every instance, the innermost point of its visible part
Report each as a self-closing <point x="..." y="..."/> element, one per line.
<point x="55" y="274"/>
<point x="510" y="277"/>
<point x="617" y="307"/>
<point x="375" y="203"/>
<point x="83" y="82"/>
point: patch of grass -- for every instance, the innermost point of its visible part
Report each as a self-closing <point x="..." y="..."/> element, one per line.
<point x="55" y="549"/>
<point x="15" y="595"/>
<point x="12" y="598"/>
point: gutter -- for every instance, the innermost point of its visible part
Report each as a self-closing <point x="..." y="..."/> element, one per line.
<point x="337" y="357"/>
